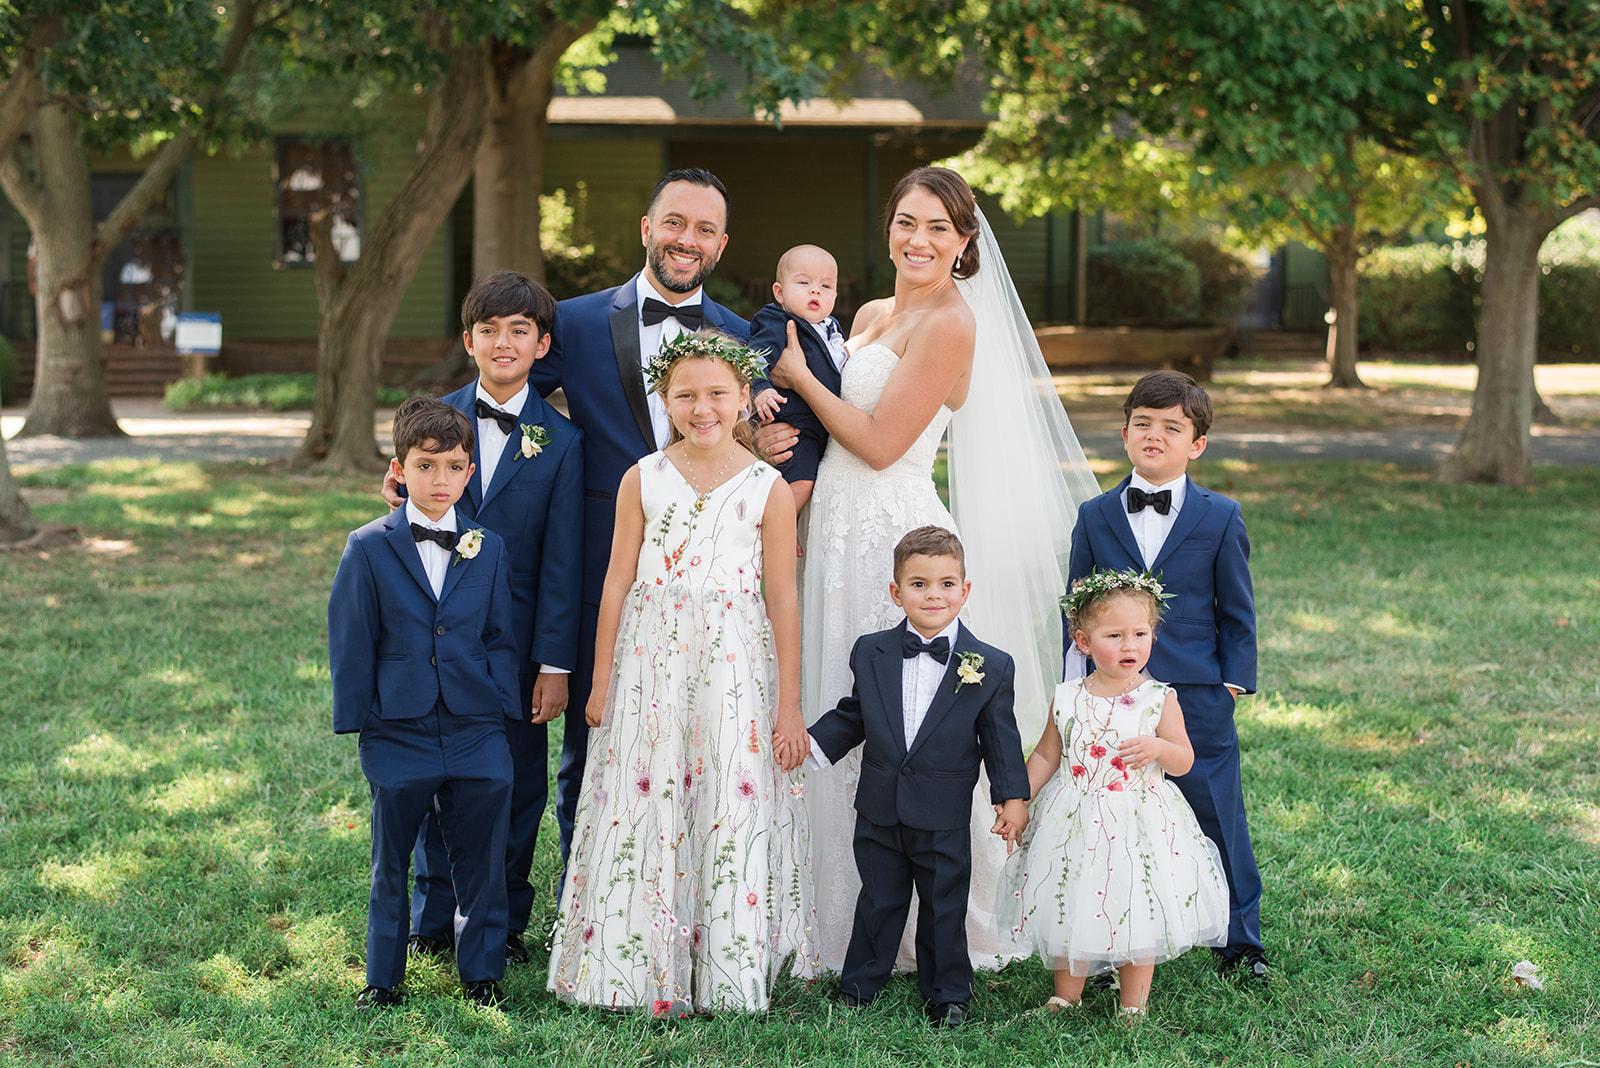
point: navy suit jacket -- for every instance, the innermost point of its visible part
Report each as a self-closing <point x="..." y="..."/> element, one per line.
<point x="770" y="330"/>
<point x="594" y="361"/>
<point x="1208" y="633"/>
<point x="536" y="505"/>
<point x="926" y="782"/>
<point x="394" y="651"/>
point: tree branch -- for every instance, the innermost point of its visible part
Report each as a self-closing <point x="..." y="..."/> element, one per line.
<point x="24" y="90"/>
<point x="125" y="216"/>
<point x="20" y="189"/>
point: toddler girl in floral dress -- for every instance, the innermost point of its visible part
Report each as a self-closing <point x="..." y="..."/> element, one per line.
<point x="688" y="886"/>
<point x="1114" y="873"/>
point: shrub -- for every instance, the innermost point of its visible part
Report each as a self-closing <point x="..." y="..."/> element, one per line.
<point x="1224" y="278"/>
<point x="1141" y="283"/>
<point x="273" y="392"/>
<point x="8" y="371"/>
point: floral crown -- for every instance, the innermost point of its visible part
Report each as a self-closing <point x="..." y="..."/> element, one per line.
<point x="706" y="346"/>
<point x="1098" y="584"/>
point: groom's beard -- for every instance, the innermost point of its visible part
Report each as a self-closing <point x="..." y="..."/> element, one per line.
<point x="663" y="269"/>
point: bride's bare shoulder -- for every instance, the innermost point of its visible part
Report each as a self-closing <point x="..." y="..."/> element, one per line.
<point x="950" y="321"/>
<point x="868" y="315"/>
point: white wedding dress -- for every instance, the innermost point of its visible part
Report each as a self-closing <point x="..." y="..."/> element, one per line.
<point x="856" y="517"/>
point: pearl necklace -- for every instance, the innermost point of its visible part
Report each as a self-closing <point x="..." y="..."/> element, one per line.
<point x="718" y="479"/>
<point x="1132" y="684"/>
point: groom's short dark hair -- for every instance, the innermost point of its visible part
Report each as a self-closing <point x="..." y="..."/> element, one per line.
<point x="694" y="176"/>
<point x="929" y="541"/>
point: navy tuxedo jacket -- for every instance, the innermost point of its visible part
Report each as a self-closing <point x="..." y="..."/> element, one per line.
<point x="1208" y="634"/>
<point x="394" y="651"/>
<point x="594" y="361"/>
<point x="926" y="782"/>
<point x="536" y="505"/>
<point x="770" y="330"/>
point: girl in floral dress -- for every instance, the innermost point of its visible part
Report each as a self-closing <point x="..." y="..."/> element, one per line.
<point x="688" y="887"/>
<point x="1114" y="873"/>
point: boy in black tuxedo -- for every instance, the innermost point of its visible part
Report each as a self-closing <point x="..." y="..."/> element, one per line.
<point x="423" y="654"/>
<point x="807" y="286"/>
<point x="931" y="703"/>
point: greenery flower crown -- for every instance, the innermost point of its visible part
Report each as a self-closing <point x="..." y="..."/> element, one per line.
<point x="706" y="345"/>
<point x="1098" y="584"/>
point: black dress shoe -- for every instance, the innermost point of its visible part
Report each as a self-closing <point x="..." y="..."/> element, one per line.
<point x="1252" y="964"/>
<point x="853" y="1001"/>
<point x="948" y="1014"/>
<point x="378" y="997"/>
<point x="424" y="946"/>
<point x="485" y="992"/>
<point x="516" y="949"/>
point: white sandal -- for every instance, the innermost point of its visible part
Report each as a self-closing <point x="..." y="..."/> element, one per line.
<point x="1129" y="1014"/>
<point x="1060" y="1004"/>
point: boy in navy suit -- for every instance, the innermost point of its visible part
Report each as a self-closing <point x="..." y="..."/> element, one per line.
<point x="931" y="703"/>
<point x="1159" y="520"/>
<point x="807" y="286"/>
<point x="529" y="490"/>
<point x="424" y="665"/>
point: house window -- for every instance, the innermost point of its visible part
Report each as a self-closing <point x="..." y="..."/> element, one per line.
<point x="310" y="177"/>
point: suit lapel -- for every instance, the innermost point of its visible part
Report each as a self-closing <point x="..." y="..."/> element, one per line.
<point x="405" y="547"/>
<point x="458" y="564"/>
<point x="625" y="343"/>
<point x="891" y="693"/>
<point x="1196" y="503"/>
<point x="945" y="697"/>
<point x="1116" y="517"/>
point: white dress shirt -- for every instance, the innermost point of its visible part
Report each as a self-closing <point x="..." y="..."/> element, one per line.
<point x="833" y="340"/>
<point x="920" y="677"/>
<point x="491" y="439"/>
<point x="435" y="557"/>
<point x="651" y="338"/>
<point x="1150" y="527"/>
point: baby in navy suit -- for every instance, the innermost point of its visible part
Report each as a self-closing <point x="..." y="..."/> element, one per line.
<point x="422" y="651"/>
<point x="807" y="286"/>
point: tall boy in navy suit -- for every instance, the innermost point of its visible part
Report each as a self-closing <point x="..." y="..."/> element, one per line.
<point x="807" y="286"/>
<point x="1159" y="520"/>
<point x="424" y="666"/>
<point x="529" y="490"/>
<point x="932" y="703"/>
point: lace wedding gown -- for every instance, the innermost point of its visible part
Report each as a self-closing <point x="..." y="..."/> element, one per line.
<point x="856" y="517"/>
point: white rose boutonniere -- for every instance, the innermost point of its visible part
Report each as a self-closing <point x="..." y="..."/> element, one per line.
<point x="534" y="439"/>
<point x="968" y="670"/>
<point x="468" y="545"/>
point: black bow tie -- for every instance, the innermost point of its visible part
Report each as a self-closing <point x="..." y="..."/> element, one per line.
<point x="689" y="316"/>
<point x="912" y="645"/>
<point x="507" y="421"/>
<point x="1160" y="500"/>
<point x="445" y="538"/>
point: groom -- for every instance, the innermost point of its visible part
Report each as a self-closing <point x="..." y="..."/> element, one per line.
<point x="601" y="343"/>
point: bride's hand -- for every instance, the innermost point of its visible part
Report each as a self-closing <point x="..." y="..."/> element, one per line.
<point x="791" y="362"/>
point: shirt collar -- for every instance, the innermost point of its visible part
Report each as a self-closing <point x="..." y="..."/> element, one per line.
<point x="514" y="405"/>
<point x="950" y="632"/>
<point x="415" y="515"/>
<point x="645" y="291"/>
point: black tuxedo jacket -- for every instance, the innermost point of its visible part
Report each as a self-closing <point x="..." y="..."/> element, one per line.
<point x="926" y="782"/>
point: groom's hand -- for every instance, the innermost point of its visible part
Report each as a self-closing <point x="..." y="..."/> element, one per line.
<point x="775" y="442"/>
<point x="391" y="487"/>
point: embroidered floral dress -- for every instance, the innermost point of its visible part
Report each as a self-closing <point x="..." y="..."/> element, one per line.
<point x="1114" y="869"/>
<point x="688" y="887"/>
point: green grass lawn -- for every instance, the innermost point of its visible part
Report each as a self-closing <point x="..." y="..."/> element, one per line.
<point x="184" y="851"/>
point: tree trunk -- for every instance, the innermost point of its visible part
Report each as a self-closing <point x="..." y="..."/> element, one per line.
<point x="357" y="304"/>
<point x="1496" y="445"/>
<point x="1343" y="254"/>
<point x="508" y="173"/>
<point x="17" y="521"/>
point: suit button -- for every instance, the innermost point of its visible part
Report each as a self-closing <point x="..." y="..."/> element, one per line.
<point x="433" y="660"/>
<point x="905" y="771"/>
<point x="438" y="630"/>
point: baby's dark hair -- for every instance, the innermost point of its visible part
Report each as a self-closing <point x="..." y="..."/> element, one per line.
<point x="1091" y="593"/>
<point x="1171" y="389"/>
<point x="508" y="293"/>
<point x="928" y="541"/>
<point x="431" y="424"/>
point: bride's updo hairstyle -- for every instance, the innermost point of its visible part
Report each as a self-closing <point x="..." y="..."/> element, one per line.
<point x="956" y="196"/>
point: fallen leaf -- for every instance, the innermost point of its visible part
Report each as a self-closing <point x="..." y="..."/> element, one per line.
<point x="1524" y="974"/>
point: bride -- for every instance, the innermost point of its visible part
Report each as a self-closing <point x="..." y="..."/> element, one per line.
<point x="952" y="348"/>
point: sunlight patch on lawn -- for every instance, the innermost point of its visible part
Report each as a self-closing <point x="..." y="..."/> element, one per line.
<point x="1314" y="622"/>
<point x="313" y="671"/>
<point x="342" y="821"/>
<point x="100" y="754"/>
<point x="1274" y="712"/>
<point x="1386" y="789"/>
<point x="201" y="790"/>
<point x="1522" y="1034"/>
<point x="224" y="976"/>
<point x="1388" y="625"/>
<point x="101" y="877"/>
